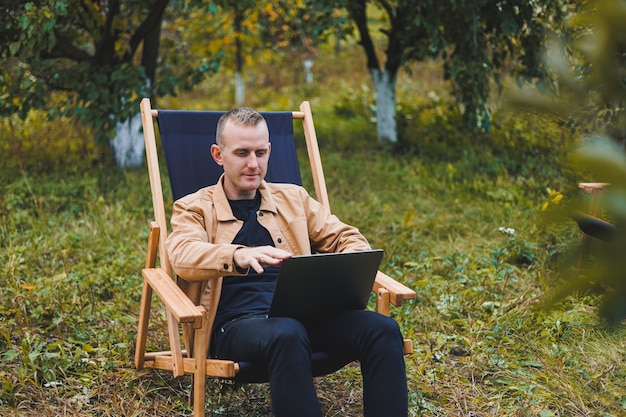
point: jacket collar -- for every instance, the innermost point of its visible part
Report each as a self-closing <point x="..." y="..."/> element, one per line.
<point x="222" y="207"/>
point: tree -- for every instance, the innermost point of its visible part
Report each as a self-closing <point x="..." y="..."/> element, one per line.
<point x="231" y="30"/>
<point x="238" y="36"/>
<point x="102" y="55"/>
<point x="299" y="27"/>
<point x="243" y="32"/>
<point x="475" y="38"/>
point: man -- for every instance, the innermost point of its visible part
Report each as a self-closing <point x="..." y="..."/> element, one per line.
<point x="241" y="229"/>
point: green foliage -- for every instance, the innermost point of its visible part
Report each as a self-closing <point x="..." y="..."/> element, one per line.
<point x="92" y="52"/>
<point x="525" y="145"/>
<point x="301" y="27"/>
<point x="111" y="96"/>
<point x="37" y="145"/>
<point x="476" y="39"/>
<point x="66" y="311"/>
<point x="488" y="37"/>
<point x="590" y="97"/>
<point x="430" y="127"/>
<point x="89" y="53"/>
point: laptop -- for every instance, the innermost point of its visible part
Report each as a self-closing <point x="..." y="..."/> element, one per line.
<point x="324" y="284"/>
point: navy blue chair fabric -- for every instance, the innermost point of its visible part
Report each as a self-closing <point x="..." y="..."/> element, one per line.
<point x="594" y="227"/>
<point x="187" y="137"/>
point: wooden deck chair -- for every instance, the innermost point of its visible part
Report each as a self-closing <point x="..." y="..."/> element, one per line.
<point x="186" y="137"/>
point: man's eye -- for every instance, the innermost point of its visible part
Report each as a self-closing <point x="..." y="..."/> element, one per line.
<point x="261" y="153"/>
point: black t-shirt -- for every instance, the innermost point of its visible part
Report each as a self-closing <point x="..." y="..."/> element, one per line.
<point x="250" y="294"/>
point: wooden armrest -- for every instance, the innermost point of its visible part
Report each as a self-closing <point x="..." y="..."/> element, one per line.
<point x="397" y="292"/>
<point x="176" y="301"/>
<point x="592" y="187"/>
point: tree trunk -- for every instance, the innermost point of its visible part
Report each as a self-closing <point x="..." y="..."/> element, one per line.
<point x="240" y="89"/>
<point x="384" y="80"/>
<point x="128" y="144"/>
<point x="386" y="125"/>
<point x="150" y="54"/>
<point x="308" y="73"/>
<point x="239" y="84"/>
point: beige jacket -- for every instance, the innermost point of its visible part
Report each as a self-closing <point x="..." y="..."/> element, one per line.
<point x="203" y="227"/>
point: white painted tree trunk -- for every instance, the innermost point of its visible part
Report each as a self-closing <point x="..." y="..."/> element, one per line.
<point x="239" y="89"/>
<point x="308" y="74"/>
<point x="385" y="106"/>
<point x="128" y="145"/>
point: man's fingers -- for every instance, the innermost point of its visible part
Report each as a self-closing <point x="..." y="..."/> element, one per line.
<point x="275" y="253"/>
<point x="256" y="266"/>
<point x="257" y="257"/>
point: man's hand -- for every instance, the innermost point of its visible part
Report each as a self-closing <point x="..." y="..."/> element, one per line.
<point x="258" y="257"/>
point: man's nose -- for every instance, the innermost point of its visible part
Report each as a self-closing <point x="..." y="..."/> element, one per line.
<point x="252" y="161"/>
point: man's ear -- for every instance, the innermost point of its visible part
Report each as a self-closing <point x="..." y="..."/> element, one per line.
<point x="216" y="153"/>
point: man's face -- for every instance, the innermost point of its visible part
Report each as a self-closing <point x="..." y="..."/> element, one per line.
<point x="244" y="153"/>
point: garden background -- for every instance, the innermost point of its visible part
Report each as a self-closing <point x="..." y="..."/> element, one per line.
<point x="463" y="216"/>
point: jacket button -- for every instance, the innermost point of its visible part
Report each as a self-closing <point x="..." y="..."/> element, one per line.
<point x="279" y="240"/>
<point x="260" y="214"/>
<point x="225" y="266"/>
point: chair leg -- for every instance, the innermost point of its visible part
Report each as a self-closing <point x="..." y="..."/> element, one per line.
<point x="142" y="327"/>
<point x="200" y="351"/>
<point x="585" y="250"/>
<point x="199" y="395"/>
<point x="595" y="192"/>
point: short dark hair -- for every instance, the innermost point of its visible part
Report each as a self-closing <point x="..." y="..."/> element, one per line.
<point x="241" y="116"/>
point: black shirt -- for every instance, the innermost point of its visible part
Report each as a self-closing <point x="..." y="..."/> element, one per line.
<point x="250" y="294"/>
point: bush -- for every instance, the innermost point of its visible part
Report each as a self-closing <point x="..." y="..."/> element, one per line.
<point x="525" y="145"/>
<point x="38" y="145"/>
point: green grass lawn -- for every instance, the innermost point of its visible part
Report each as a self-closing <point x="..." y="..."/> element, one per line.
<point x="73" y="234"/>
<point x="73" y="245"/>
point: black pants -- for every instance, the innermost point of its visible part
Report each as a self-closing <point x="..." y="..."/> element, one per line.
<point x="285" y="345"/>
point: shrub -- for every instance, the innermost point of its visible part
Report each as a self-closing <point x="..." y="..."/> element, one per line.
<point x="37" y="145"/>
<point x="526" y="145"/>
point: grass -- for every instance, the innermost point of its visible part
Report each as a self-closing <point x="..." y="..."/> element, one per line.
<point x="73" y="237"/>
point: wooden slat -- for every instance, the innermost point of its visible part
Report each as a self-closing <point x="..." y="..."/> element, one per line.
<point x="298" y="115"/>
<point x="408" y="346"/>
<point x="214" y="367"/>
<point x="146" y="297"/>
<point x="200" y="353"/>
<point x="174" y="338"/>
<point x="592" y="187"/>
<point x="155" y="178"/>
<point x="153" y="245"/>
<point x="397" y="292"/>
<point x="142" y="326"/>
<point x="383" y="302"/>
<point x="321" y="193"/>
<point x="173" y="297"/>
<point x="151" y="356"/>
